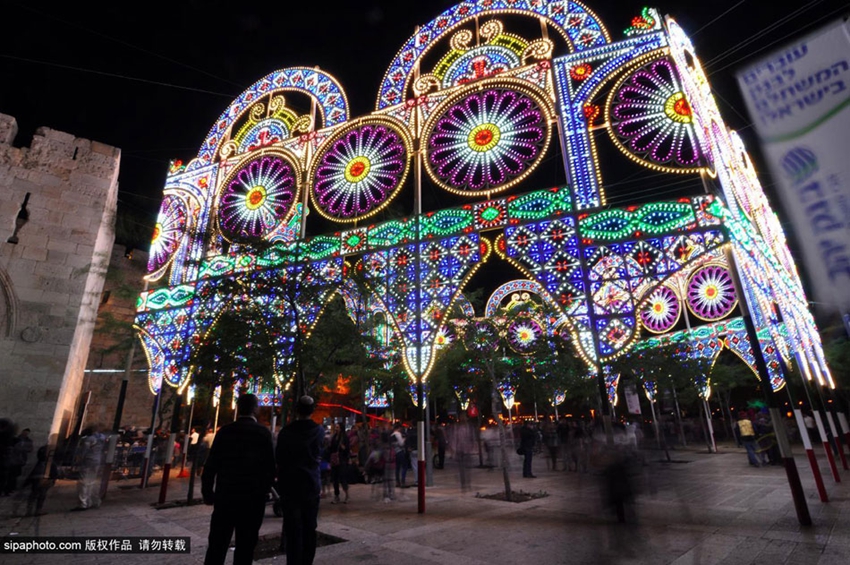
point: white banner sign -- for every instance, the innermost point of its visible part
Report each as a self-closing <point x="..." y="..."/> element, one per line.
<point x="632" y="400"/>
<point x="799" y="100"/>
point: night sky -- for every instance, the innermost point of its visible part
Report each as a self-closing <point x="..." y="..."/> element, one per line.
<point x="151" y="78"/>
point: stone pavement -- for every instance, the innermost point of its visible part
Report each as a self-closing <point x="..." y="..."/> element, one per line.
<point x="707" y="509"/>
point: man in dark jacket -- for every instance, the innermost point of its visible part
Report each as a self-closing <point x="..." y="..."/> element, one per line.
<point x="299" y="451"/>
<point x="241" y="465"/>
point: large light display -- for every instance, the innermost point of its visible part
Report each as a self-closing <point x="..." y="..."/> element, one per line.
<point x="473" y="100"/>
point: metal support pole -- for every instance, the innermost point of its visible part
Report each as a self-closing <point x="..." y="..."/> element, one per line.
<point x="712" y="446"/>
<point x="829" y="409"/>
<point x="183" y="473"/>
<point x="797" y="494"/>
<point x="149" y="447"/>
<point x="166" y="467"/>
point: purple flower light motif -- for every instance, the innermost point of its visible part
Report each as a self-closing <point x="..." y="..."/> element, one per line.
<point x="711" y="295"/>
<point x="487" y="141"/>
<point x="257" y="198"/>
<point x="661" y="311"/>
<point x="651" y="118"/>
<point x="524" y="335"/>
<point x="358" y="174"/>
<point x="169" y="230"/>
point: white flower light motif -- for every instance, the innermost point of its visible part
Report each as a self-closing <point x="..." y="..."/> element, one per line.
<point x="257" y="198"/>
<point x="524" y="335"/>
<point x="711" y="294"/>
<point x="662" y="310"/>
<point x="169" y="230"/>
<point x="359" y="172"/>
<point x="487" y="141"/>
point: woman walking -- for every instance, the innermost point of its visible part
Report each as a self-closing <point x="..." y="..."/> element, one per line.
<point x="340" y="452"/>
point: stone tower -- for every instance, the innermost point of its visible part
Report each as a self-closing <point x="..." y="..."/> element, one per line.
<point x="58" y="202"/>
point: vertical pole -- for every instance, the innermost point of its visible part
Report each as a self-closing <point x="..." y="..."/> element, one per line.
<point x="429" y="460"/>
<point x="149" y="447"/>
<point x="420" y="392"/>
<point x="829" y="408"/>
<point x="806" y="379"/>
<point x="112" y="444"/>
<point x="801" y="426"/>
<point x="810" y="454"/>
<point x="712" y="446"/>
<point x="166" y="468"/>
<point x="655" y="422"/>
<point x="183" y="473"/>
<point x="797" y="494"/>
<point x="826" y="447"/>
<point x="122" y="394"/>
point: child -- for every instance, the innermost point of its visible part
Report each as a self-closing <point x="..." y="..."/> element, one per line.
<point x="40" y="482"/>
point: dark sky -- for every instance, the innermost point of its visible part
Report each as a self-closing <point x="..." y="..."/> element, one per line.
<point x="152" y="77"/>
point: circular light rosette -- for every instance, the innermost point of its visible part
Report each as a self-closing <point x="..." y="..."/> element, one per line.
<point x="359" y="170"/>
<point x="257" y="197"/>
<point x="169" y="230"/>
<point x="711" y="294"/>
<point x="481" y="336"/>
<point x="652" y="121"/>
<point x="487" y="139"/>
<point x="524" y="335"/>
<point x="661" y="310"/>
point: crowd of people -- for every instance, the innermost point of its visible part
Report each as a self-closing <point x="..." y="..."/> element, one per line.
<point x="309" y="461"/>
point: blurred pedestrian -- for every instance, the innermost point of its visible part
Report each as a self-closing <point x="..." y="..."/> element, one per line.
<point x="7" y="438"/>
<point x="90" y="465"/>
<point x="527" y="441"/>
<point x="18" y="455"/>
<point x="441" y="441"/>
<point x="552" y="442"/>
<point x="236" y="481"/>
<point x="340" y="453"/>
<point x="40" y="480"/>
<point x="462" y="439"/>
<point x="400" y="452"/>
<point x="299" y="449"/>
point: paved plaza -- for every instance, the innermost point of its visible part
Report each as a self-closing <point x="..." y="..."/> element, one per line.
<point x="700" y="509"/>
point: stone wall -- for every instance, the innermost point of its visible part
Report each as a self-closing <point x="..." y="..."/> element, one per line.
<point x="51" y="280"/>
<point x="113" y="343"/>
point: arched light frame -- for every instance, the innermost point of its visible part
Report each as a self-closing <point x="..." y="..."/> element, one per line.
<point x="324" y="88"/>
<point x="397" y="79"/>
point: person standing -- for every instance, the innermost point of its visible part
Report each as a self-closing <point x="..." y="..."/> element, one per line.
<point x="21" y="449"/>
<point x="236" y="480"/>
<point x="299" y="450"/>
<point x="340" y="453"/>
<point x="400" y="452"/>
<point x="41" y="479"/>
<point x="91" y="466"/>
<point x="747" y="436"/>
<point x="462" y="441"/>
<point x="527" y="441"/>
<point x="442" y="442"/>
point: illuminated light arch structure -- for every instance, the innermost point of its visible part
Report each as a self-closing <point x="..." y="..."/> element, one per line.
<point x="484" y="115"/>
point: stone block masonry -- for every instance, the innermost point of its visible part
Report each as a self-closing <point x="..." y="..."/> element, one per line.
<point x="51" y="280"/>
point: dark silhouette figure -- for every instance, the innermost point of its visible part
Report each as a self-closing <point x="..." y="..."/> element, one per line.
<point x="527" y="441"/>
<point x="241" y="466"/>
<point x="299" y="451"/>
